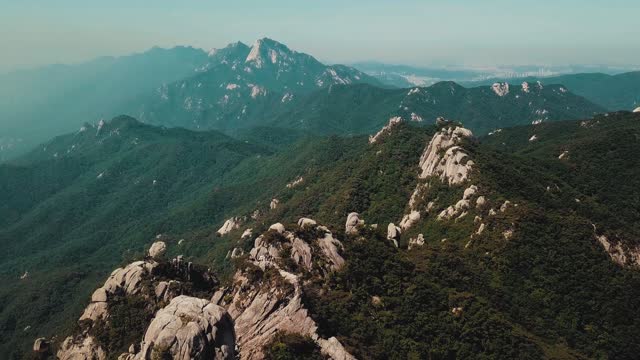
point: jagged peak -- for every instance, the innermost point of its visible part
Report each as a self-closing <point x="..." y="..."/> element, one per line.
<point x="238" y="45"/>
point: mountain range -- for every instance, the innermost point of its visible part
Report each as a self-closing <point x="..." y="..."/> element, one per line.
<point x="239" y="87"/>
<point x="613" y="92"/>
<point x="259" y="204"/>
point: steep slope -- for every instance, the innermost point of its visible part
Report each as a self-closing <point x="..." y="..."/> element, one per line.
<point x="240" y="85"/>
<point x="362" y="109"/>
<point x="613" y="92"/>
<point x="502" y="261"/>
<point x="75" y="206"/>
<point x="36" y="104"/>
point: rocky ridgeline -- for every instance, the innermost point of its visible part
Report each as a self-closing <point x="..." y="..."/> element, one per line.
<point x="444" y="158"/>
<point x="194" y="318"/>
<point x="267" y="293"/>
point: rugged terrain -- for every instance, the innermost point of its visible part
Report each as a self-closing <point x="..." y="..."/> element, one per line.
<point x="418" y="241"/>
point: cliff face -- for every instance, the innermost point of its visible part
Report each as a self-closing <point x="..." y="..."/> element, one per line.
<point x="194" y="318"/>
<point x="266" y="296"/>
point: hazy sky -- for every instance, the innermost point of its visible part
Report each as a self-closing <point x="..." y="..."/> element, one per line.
<point x="427" y="32"/>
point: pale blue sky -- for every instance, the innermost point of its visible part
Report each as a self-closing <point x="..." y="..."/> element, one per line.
<point x="427" y="32"/>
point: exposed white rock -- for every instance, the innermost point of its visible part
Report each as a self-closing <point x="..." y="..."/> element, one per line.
<point x="229" y="225"/>
<point x="306" y="222"/>
<point x="469" y="192"/>
<point x="231" y="86"/>
<point x="533" y="138"/>
<point x="260" y="310"/>
<point x="481" y="202"/>
<point x="417" y="118"/>
<point x="236" y="253"/>
<point x="418" y="241"/>
<point x="24" y="276"/>
<point x="353" y="221"/>
<point x="278" y="227"/>
<point x="101" y="124"/>
<point x="409" y="219"/>
<point x="295" y="182"/>
<point x="457" y="311"/>
<point x="525" y="87"/>
<point x="505" y="206"/>
<point x="501" y="89"/>
<point x="157" y="250"/>
<point x="563" y="155"/>
<point x="619" y="254"/>
<point x="246" y="234"/>
<point x="480" y="229"/>
<point x="393" y="233"/>
<point x="274" y="204"/>
<point x="122" y="281"/>
<point x="394" y="121"/>
<point x="444" y="158"/>
<point x="85" y="348"/>
<point x="41" y="345"/>
<point x="637" y="110"/>
<point x="190" y="328"/>
<point x="507" y="234"/>
<point x="257" y="91"/>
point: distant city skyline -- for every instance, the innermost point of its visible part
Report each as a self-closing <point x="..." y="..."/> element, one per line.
<point x="420" y="33"/>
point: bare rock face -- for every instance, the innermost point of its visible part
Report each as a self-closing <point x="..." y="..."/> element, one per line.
<point x="637" y="110"/>
<point x="617" y="251"/>
<point x="353" y="220"/>
<point x="393" y="122"/>
<point x="274" y="204"/>
<point x="229" y="225"/>
<point x="418" y="241"/>
<point x="123" y="281"/>
<point x="157" y="250"/>
<point x="262" y="308"/>
<point x="189" y="328"/>
<point x="277" y="227"/>
<point x="85" y="348"/>
<point x="41" y="346"/>
<point x="444" y="158"/>
<point x="155" y="282"/>
<point x="393" y="233"/>
<point x="410" y="219"/>
<point x="306" y="222"/>
<point x="247" y="233"/>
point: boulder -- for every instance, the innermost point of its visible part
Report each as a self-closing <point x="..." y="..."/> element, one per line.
<point x="418" y="241"/>
<point x="409" y="219"/>
<point x="236" y="253"/>
<point x="469" y="192"/>
<point x="353" y="220"/>
<point x="274" y="204"/>
<point x="41" y="345"/>
<point x="157" y="250"/>
<point x="229" y="225"/>
<point x="306" y="222"/>
<point x="277" y="227"/>
<point x="189" y="328"/>
<point x="393" y="233"/>
<point x="246" y="234"/>
<point x="86" y="348"/>
<point x="481" y="202"/>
